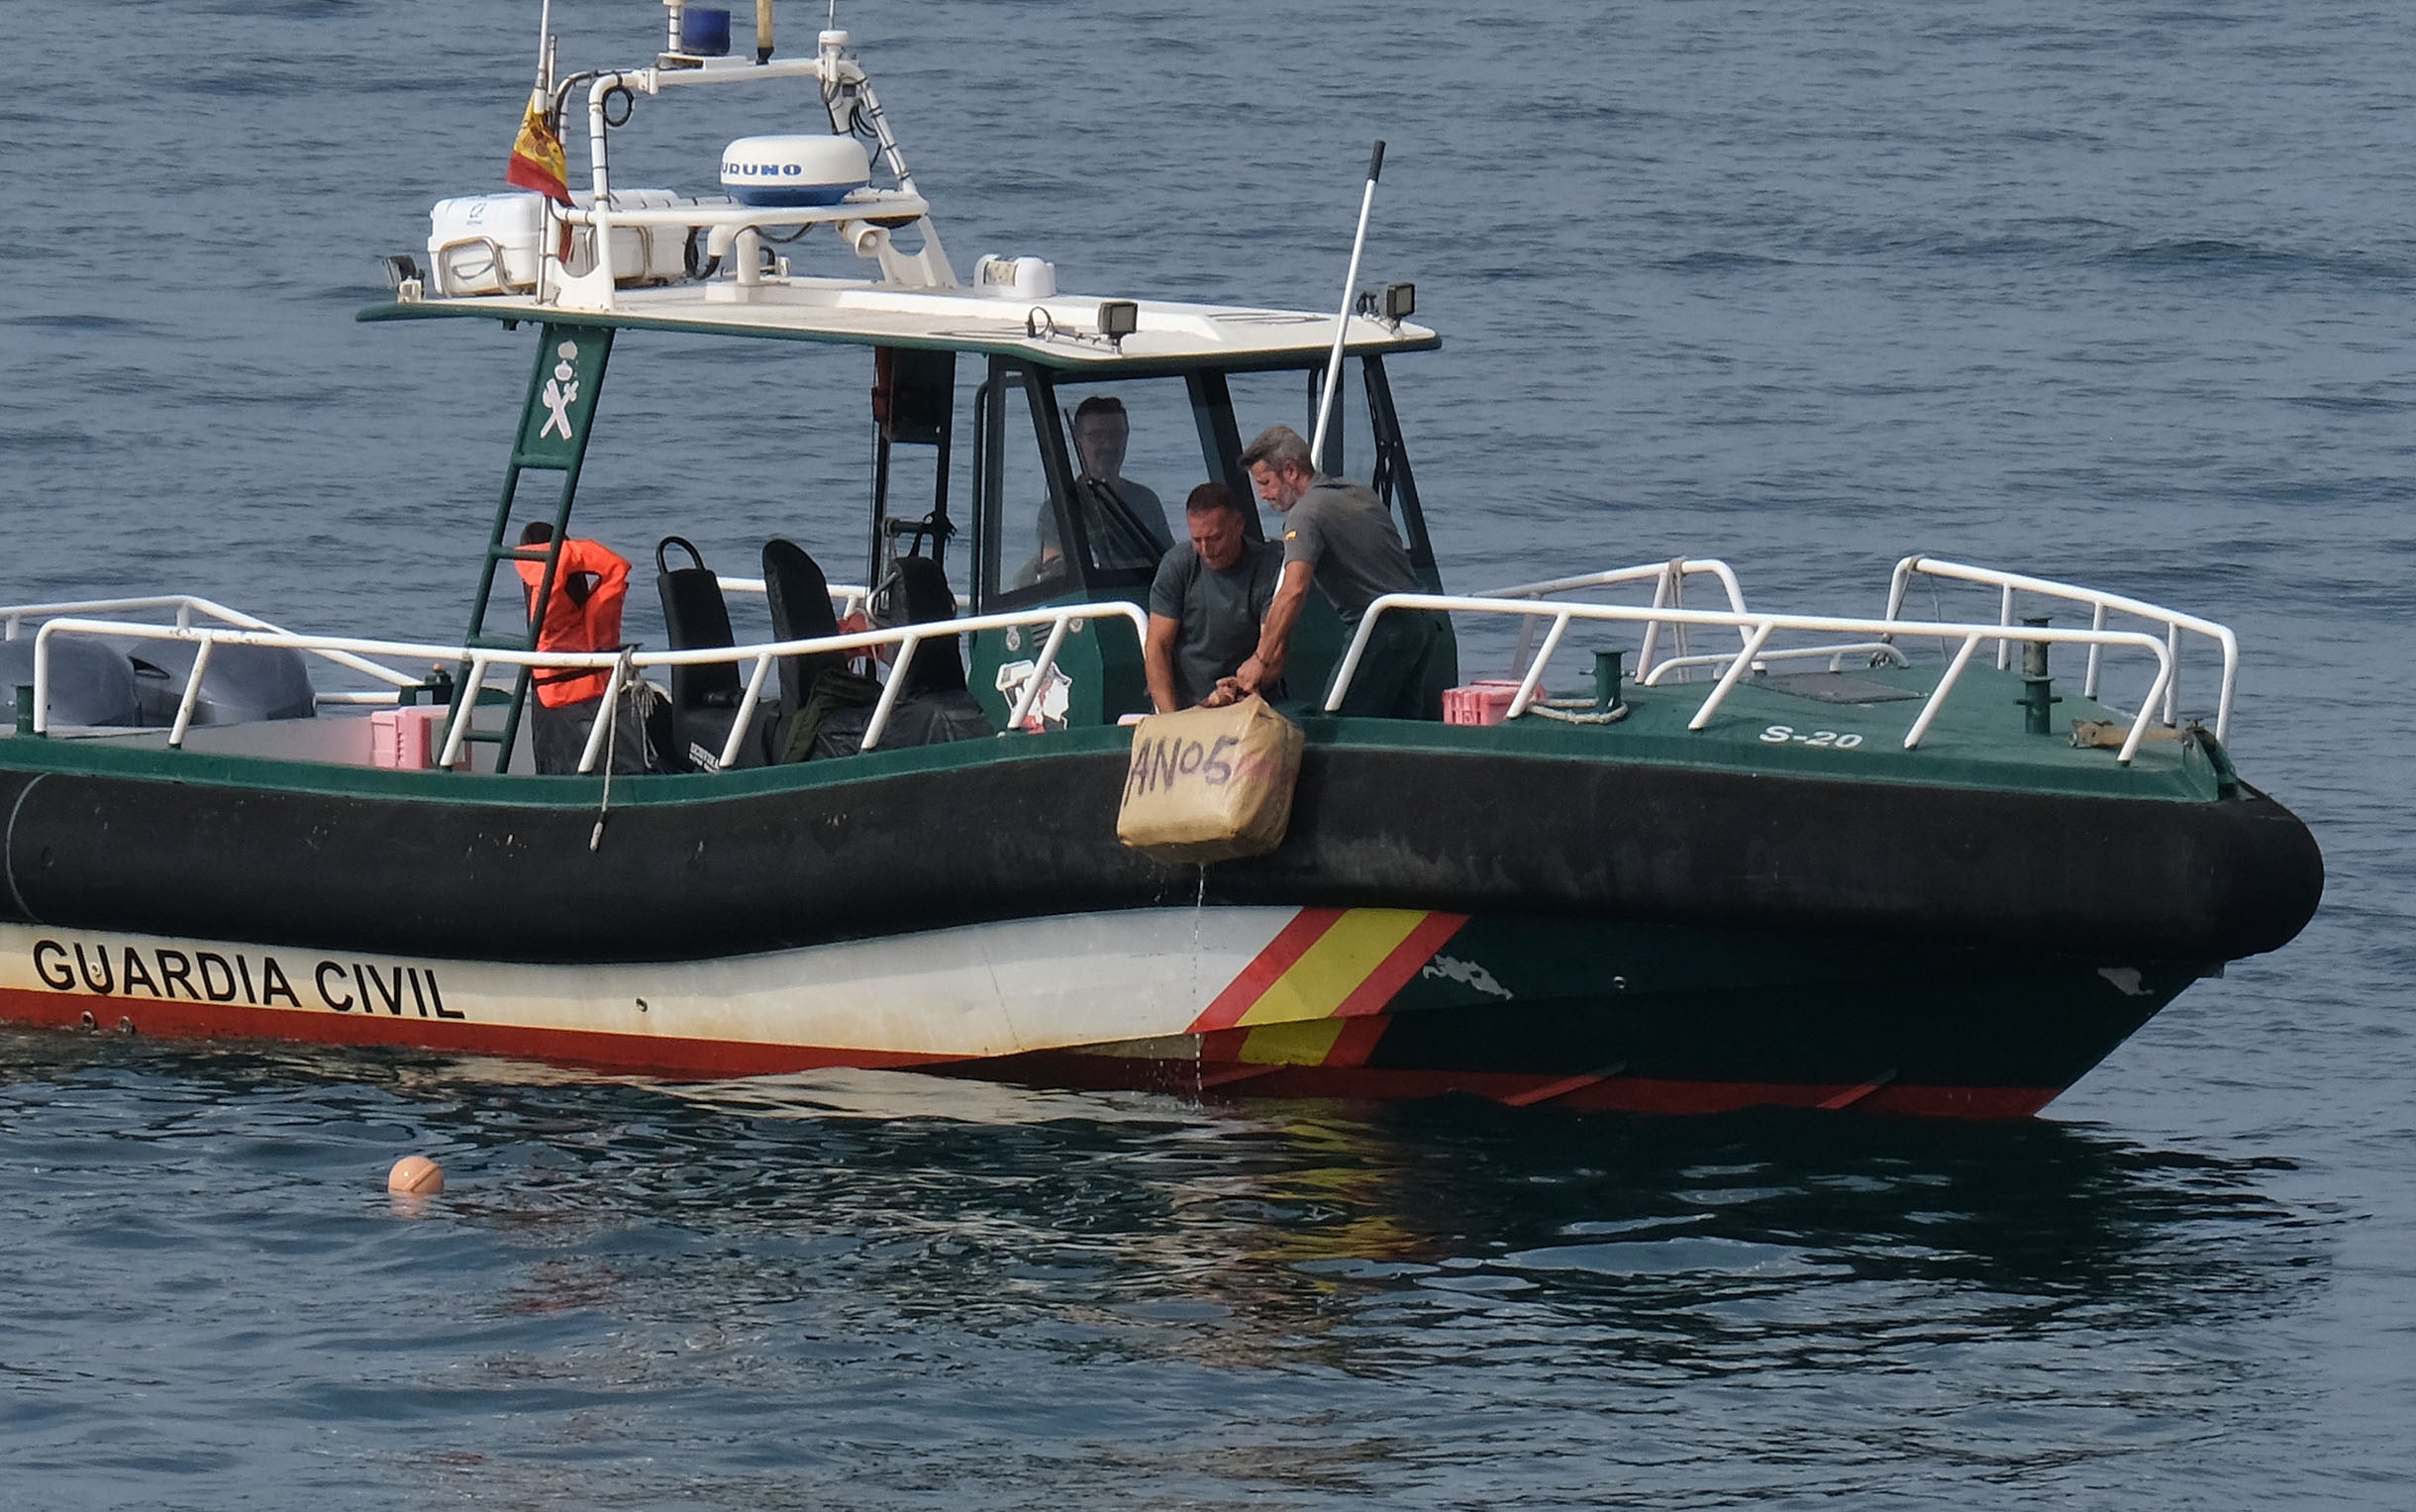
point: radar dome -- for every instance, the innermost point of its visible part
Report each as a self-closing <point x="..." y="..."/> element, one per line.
<point x="795" y="170"/>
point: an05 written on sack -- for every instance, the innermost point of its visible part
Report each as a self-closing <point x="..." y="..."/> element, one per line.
<point x="1210" y="784"/>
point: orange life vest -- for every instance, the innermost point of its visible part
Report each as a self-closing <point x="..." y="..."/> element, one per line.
<point x="567" y="625"/>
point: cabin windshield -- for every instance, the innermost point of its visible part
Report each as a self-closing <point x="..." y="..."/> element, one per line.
<point x="1084" y="481"/>
<point x="1136" y="457"/>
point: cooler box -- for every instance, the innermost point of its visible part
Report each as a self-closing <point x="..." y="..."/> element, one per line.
<point x="486" y="243"/>
<point x="1485" y="701"/>
<point x="407" y="739"/>
<point x="640" y="253"/>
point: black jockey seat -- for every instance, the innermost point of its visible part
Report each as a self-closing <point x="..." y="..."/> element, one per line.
<point x="921" y="596"/>
<point x="932" y="705"/>
<point x="705" y="699"/>
<point x="935" y="705"/>
<point x="800" y="599"/>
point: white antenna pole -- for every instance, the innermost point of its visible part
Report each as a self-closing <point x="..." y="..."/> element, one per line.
<point x="1341" y="321"/>
<point x="546" y="234"/>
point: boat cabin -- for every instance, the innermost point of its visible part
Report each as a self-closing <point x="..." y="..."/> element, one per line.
<point x="1087" y="420"/>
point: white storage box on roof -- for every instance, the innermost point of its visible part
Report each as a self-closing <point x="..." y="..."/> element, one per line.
<point x="640" y="253"/>
<point x="484" y="243"/>
<point x="487" y="244"/>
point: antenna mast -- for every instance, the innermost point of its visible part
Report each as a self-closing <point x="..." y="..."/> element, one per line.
<point x="1342" y="319"/>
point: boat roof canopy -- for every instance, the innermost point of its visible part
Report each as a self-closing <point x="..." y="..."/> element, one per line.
<point x="1061" y="332"/>
<point x="740" y="263"/>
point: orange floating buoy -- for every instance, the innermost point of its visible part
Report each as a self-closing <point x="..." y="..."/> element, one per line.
<point x="417" y="1176"/>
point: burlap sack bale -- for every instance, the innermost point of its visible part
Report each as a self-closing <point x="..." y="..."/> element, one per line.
<point x="1210" y="784"/>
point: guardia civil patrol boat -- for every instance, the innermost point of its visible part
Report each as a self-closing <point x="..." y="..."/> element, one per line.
<point x="1686" y="853"/>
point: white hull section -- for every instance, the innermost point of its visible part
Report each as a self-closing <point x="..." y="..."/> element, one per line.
<point x="978" y="991"/>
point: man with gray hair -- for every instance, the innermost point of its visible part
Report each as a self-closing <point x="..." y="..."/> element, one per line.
<point x="1339" y="535"/>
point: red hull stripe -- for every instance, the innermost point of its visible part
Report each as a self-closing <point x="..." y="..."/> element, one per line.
<point x="1290" y="944"/>
<point x="1589" y="1093"/>
<point x="1551" y="1090"/>
<point x="1341" y="1076"/>
<point x="563" y="1047"/>
<point x="1406" y="961"/>
<point x="1357" y="1041"/>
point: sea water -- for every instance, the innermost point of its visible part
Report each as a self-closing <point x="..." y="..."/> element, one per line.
<point x="2111" y="291"/>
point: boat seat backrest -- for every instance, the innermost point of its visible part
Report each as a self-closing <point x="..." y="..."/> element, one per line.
<point x="922" y="596"/>
<point x="799" y="596"/>
<point x="696" y="617"/>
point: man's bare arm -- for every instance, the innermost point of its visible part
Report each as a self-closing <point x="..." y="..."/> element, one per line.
<point x="1157" y="658"/>
<point x="1276" y="635"/>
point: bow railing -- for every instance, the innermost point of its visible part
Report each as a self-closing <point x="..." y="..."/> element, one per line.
<point x="1756" y="629"/>
<point x="1668" y="579"/>
<point x="2100" y="604"/>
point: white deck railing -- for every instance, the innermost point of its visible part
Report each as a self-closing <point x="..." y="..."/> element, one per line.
<point x="1756" y="629"/>
<point x="1059" y="618"/>
<point x="186" y="605"/>
<point x="2008" y="585"/>
<point x="846" y="599"/>
<point x="1881" y="651"/>
<point x="1668" y="579"/>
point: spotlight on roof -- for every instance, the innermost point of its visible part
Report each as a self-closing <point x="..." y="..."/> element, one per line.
<point x="1118" y="319"/>
<point x="1400" y="302"/>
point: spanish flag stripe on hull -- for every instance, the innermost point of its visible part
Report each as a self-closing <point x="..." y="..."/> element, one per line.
<point x="1331" y="964"/>
<point x="1286" y="948"/>
<point x="1357" y="1041"/>
<point x="1312" y="1042"/>
<point x="1345" y="956"/>
<point x="1417" y="948"/>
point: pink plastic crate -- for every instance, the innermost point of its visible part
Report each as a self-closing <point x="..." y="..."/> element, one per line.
<point x="407" y="738"/>
<point x="1485" y="701"/>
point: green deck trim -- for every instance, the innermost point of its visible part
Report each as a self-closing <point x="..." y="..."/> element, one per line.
<point x="1020" y="346"/>
<point x="1977" y="741"/>
<point x="108" y="758"/>
<point x="1976" y="744"/>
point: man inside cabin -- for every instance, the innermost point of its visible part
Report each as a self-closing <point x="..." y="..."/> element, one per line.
<point x="1339" y="535"/>
<point x="1207" y="604"/>
<point x="583" y="613"/>
<point x="1125" y="521"/>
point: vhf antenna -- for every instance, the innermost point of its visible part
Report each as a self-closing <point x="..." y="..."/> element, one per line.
<point x="1342" y="319"/>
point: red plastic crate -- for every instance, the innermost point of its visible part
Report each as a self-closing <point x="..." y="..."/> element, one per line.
<point x="408" y="738"/>
<point x="1485" y="701"/>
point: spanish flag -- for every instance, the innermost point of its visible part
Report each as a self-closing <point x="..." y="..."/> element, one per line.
<point x="537" y="161"/>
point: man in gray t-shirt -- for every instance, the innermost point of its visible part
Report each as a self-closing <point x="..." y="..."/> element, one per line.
<point x="1339" y="535"/>
<point x="1207" y="603"/>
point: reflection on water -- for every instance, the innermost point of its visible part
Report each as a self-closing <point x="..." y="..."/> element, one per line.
<point x="884" y="1287"/>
